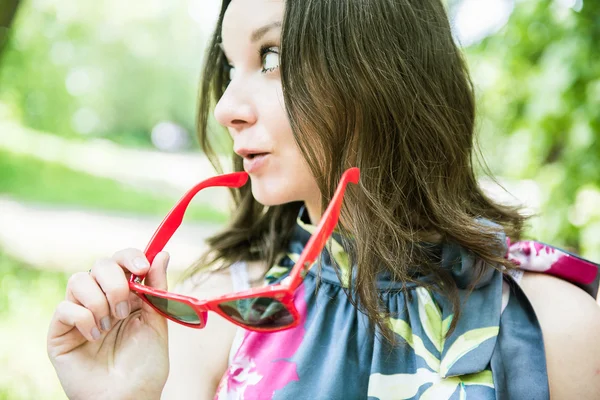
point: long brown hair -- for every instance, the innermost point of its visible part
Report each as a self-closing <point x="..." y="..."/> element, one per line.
<point x="380" y="85"/>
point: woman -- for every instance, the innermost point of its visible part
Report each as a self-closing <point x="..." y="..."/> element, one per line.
<point x="411" y="299"/>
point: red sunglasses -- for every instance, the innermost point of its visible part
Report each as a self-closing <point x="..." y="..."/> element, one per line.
<point x="265" y="309"/>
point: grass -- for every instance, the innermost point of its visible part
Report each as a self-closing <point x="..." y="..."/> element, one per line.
<point x="31" y="179"/>
<point x="28" y="297"/>
<point x="27" y="301"/>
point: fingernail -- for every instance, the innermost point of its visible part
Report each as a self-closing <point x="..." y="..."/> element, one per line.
<point x="123" y="309"/>
<point x="96" y="333"/>
<point x="105" y="323"/>
<point x="140" y="263"/>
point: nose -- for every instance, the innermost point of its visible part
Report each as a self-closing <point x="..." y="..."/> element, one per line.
<point x="235" y="109"/>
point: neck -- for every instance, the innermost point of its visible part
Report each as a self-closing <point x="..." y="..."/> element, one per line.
<point x="314" y="210"/>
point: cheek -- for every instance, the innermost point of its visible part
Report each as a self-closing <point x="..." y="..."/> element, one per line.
<point x="288" y="177"/>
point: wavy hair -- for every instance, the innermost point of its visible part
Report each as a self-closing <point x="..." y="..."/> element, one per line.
<point x="381" y="85"/>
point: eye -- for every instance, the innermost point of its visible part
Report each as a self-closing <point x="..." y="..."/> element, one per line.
<point x="270" y="58"/>
<point x="229" y="71"/>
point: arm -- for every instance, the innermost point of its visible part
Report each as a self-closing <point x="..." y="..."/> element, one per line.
<point x="198" y="357"/>
<point x="570" y="322"/>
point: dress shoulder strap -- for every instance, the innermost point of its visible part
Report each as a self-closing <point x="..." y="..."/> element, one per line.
<point x="536" y="256"/>
<point x="239" y="276"/>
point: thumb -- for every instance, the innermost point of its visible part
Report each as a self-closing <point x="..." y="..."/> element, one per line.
<point x="157" y="278"/>
<point x="157" y="274"/>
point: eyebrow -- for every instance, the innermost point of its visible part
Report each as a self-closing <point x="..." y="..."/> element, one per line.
<point x="260" y="32"/>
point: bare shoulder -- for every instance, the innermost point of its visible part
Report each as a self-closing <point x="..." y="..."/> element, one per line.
<point x="199" y="357"/>
<point x="570" y="322"/>
<point x="207" y="284"/>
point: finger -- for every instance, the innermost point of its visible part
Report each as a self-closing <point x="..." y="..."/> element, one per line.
<point x="111" y="278"/>
<point x="157" y="274"/>
<point x="69" y="315"/>
<point x="133" y="260"/>
<point x="157" y="278"/>
<point x="84" y="290"/>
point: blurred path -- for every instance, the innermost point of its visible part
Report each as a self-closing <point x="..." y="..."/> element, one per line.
<point x="70" y="240"/>
<point x="150" y="170"/>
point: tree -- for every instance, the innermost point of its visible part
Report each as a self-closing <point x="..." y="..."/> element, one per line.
<point x="539" y="90"/>
<point x="8" y="10"/>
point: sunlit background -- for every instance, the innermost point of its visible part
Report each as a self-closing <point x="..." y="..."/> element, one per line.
<point x="97" y="110"/>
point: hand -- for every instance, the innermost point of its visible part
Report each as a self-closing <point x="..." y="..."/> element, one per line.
<point x="104" y="342"/>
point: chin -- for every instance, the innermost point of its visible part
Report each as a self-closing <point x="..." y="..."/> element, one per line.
<point x="272" y="193"/>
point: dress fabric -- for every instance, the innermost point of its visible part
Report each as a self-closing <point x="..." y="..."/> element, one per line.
<point x="495" y="352"/>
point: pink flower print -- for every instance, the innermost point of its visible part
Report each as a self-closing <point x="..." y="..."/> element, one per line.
<point x="265" y="355"/>
<point x="539" y="257"/>
<point x="241" y="373"/>
<point x="533" y="256"/>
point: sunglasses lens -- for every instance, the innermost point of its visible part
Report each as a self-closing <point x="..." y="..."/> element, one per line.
<point x="260" y="312"/>
<point x="179" y="311"/>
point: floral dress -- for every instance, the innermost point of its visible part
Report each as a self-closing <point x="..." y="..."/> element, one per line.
<point x="495" y="352"/>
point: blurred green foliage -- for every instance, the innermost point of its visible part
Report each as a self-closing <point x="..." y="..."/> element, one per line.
<point x="27" y="300"/>
<point x="102" y="68"/>
<point x="539" y="96"/>
<point x="31" y="179"/>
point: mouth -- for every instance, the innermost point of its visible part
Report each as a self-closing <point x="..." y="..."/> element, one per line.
<point x="252" y="156"/>
<point x="254" y="162"/>
<point x="255" y="159"/>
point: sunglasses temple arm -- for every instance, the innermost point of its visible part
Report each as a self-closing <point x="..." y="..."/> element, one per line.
<point x="324" y="230"/>
<point x="174" y="218"/>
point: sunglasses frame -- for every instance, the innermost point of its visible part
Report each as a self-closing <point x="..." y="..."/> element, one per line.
<point x="283" y="292"/>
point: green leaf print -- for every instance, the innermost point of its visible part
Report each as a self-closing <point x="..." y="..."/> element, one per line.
<point x="430" y="317"/>
<point x="483" y="378"/>
<point x="399" y="386"/>
<point x="464" y="344"/>
<point x="463" y="393"/>
<point x="276" y="272"/>
<point x="446" y="326"/>
<point x="339" y="255"/>
<point x="405" y="386"/>
<point x="401" y="327"/>
<point x="444" y="389"/>
<point x="294" y="257"/>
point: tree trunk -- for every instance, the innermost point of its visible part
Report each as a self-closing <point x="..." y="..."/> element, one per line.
<point x="8" y="9"/>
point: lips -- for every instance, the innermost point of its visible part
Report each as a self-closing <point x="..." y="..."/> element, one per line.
<point x="254" y="159"/>
<point x="253" y="155"/>
<point x="247" y="152"/>
<point x="254" y="164"/>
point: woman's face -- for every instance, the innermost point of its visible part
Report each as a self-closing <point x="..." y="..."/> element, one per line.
<point x="253" y="110"/>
